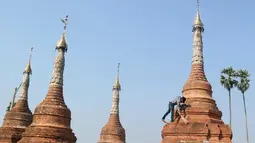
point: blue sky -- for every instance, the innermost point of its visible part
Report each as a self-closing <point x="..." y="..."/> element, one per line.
<point x="151" y="39"/>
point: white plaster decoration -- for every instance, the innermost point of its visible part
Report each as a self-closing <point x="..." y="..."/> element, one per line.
<point x="115" y="102"/>
<point x="58" y="71"/>
<point x="197" y="57"/>
<point x="25" y="86"/>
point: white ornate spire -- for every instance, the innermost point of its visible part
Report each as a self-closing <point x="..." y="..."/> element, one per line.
<point x="115" y="96"/>
<point x="197" y="78"/>
<point x="198" y="29"/>
<point x="59" y="64"/>
<point x="26" y="78"/>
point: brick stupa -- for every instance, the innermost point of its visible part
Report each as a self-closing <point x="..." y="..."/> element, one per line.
<point x="203" y="114"/>
<point x="52" y="118"/>
<point x="113" y="132"/>
<point x="19" y="117"/>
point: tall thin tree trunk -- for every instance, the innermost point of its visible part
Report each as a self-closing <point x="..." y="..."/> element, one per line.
<point x="230" y="110"/>
<point x="246" y="121"/>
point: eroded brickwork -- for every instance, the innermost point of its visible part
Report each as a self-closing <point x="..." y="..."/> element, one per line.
<point x="113" y="132"/>
<point x="51" y="121"/>
<point x="15" y="122"/>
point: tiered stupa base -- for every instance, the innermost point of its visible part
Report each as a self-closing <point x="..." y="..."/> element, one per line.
<point x="15" y="122"/>
<point x="205" y="124"/>
<point x="196" y="133"/>
<point x="204" y="117"/>
<point x="113" y="132"/>
<point x="51" y="121"/>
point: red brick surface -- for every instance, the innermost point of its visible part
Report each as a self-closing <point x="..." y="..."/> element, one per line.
<point x="51" y="121"/>
<point x="113" y="132"/>
<point x="15" y="122"/>
<point x="197" y="79"/>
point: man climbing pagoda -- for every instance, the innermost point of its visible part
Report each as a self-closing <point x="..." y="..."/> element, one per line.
<point x="181" y="105"/>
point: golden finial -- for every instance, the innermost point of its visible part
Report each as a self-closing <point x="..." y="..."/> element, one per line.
<point x="28" y="68"/>
<point x="62" y="42"/>
<point x="198" y="22"/>
<point x="117" y="82"/>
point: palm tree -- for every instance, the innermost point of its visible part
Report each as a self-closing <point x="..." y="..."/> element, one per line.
<point x="228" y="82"/>
<point x="243" y="85"/>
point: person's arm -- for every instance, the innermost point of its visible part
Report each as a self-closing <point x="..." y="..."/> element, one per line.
<point x="184" y="120"/>
<point x="183" y="104"/>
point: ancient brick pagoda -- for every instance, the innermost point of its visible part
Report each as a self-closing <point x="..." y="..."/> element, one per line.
<point x="203" y="114"/>
<point x="20" y="116"/>
<point x="51" y="120"/>
<point x="113" y="132"/>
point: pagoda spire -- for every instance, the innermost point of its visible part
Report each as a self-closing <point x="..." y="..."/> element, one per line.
<point x="59" y="64"/>
<point x="26" y="77"/>
<point x="197" y="78"/>
<point x="113" y="131"/>
<point x="20" y="116"/>
<point x="115" y="96"/>
<point x="52" y="117"/>
<point x="22" y="103"/>
<point x="198" y="29"/>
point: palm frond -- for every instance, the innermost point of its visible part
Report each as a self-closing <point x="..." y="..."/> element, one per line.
<point x="228" y="71"/>
<point x="244" y="83"/>
<point x="227" y="78"/>
<point x="234" y="82"/>
<point x="222" y="79"/>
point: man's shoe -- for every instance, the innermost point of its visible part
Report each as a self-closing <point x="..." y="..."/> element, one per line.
<point x="164" y="121"/>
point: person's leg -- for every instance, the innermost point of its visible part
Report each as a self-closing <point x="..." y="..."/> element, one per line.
<point x="172" y="112"/>
<point x="168" y="111"/>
